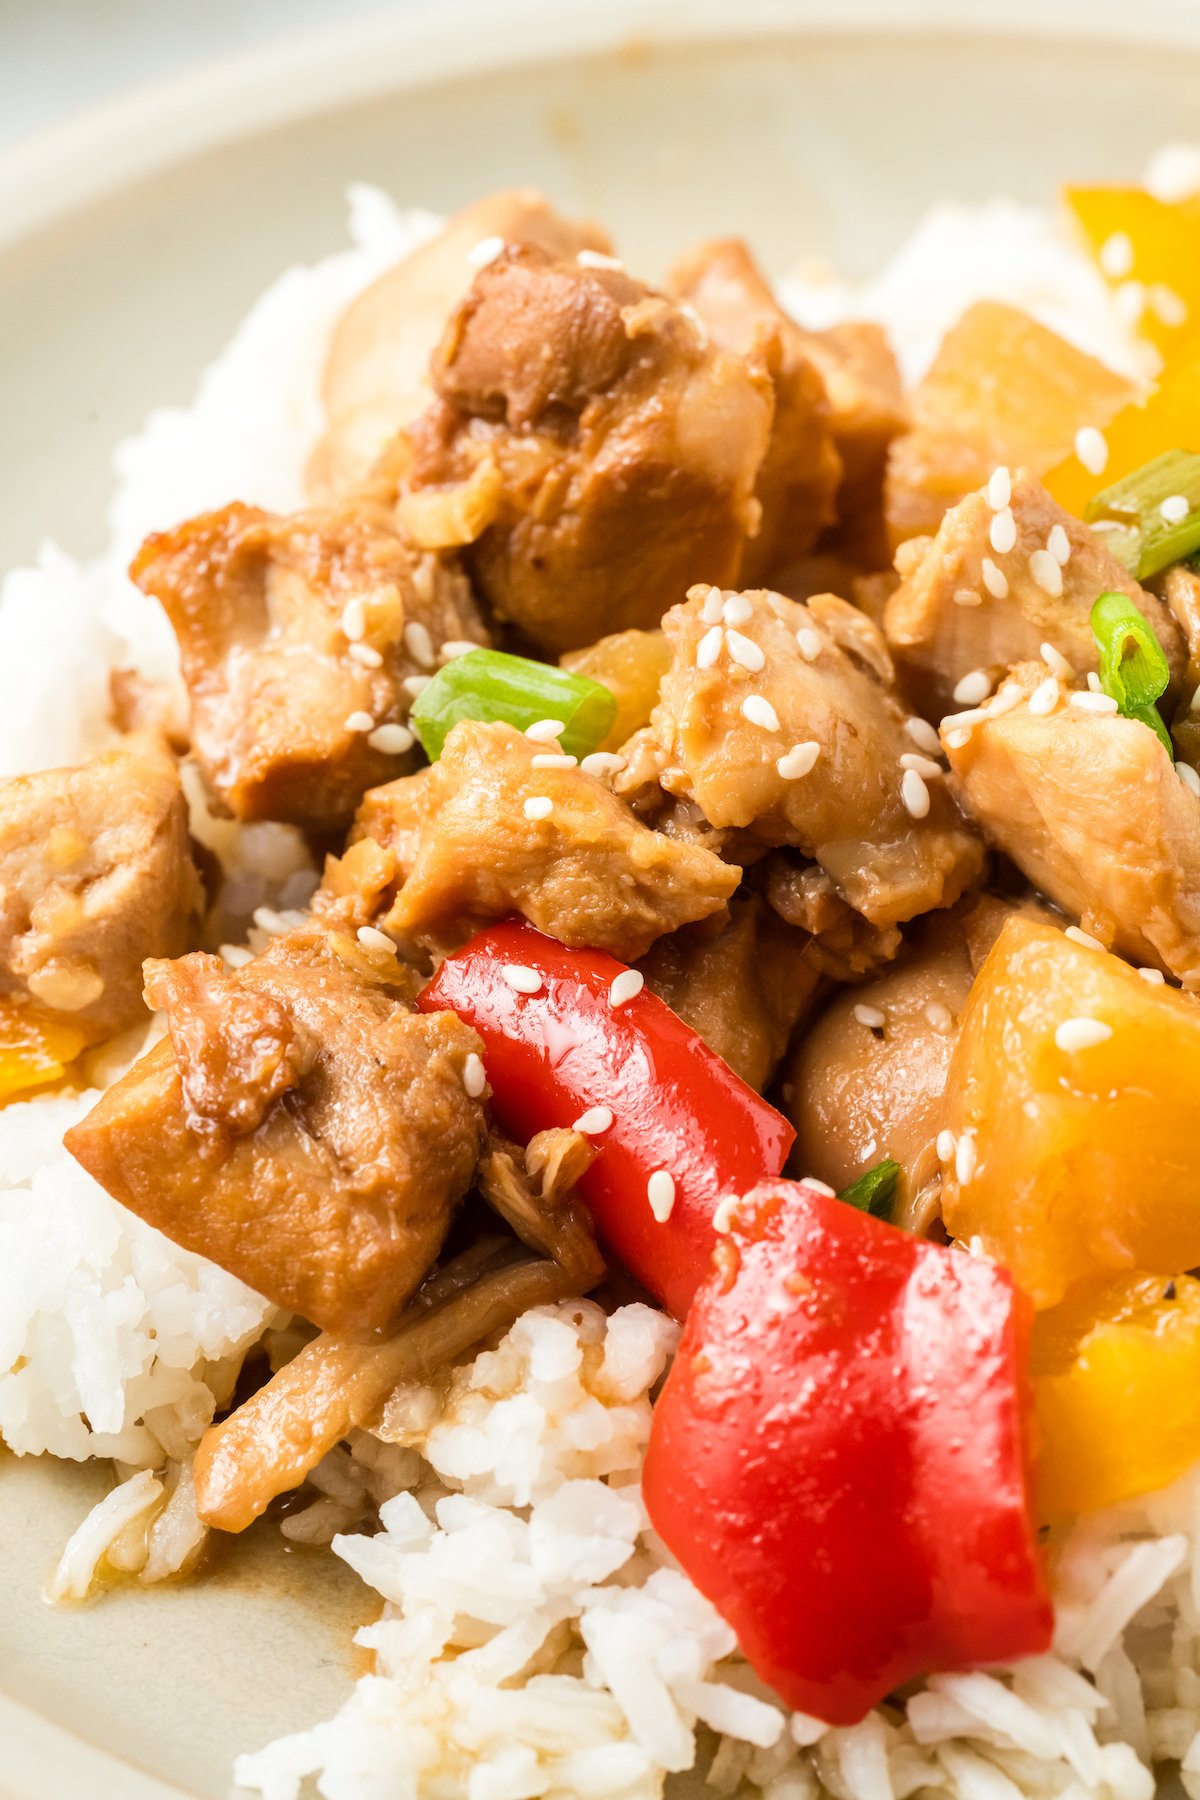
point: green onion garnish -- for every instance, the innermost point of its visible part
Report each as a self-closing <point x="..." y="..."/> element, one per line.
<point x="1133" y="669"/>
<point x="874" y="1192"/>
<point x="1129" y="515"/>
<point x="491" y="686"/>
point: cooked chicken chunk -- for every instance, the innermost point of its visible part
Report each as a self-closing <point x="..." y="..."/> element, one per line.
<point x="964" y="605"/>
<point x="783" y="722"/>
<point x="1090" y="808"/>
<point x="377" y="371"/>
<point x="801" y="471"/>
<point x="866" y="1082"/>
<point x="867" y="412"/>
<point x="743" y="989"/>
<point x="1002" y="389"/>
<point x="533" y="1190"/>
<point x="842" y="945"/>
<point x="95" y="874"/>
<point x="297" y="635"/>
<point x="486" y="831"/>
<point x="605" y="452"/>
<point x="1181" y="591"/>
<point x="300" y="1126"/>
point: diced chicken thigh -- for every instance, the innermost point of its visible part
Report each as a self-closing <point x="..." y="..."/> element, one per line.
<point x="601" y="452"/>
<point x="299" y="1125"/>
<point x="297" y="636"/>
<point x="971" y="600"/>
<point x="485" y="831"/>
<point x="95" y="875"/>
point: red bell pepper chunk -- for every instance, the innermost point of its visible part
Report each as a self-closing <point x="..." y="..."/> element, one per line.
<point x="555" y="1054"/>
<point x="837" y="1458"/>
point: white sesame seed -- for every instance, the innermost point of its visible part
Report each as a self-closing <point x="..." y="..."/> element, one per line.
<point x="965" y="1158"/>
<point x="923" y="734"/>
<point x="595" y="1120"/>
<point x="1077" y="935"/>
<point x="1093" y="703"/>
<point x="1155" y="977"/>
<point x="946" y="1146"/>
<point x="939" y="1016"/>
<point x="798" y="761"/>
<point x="737" y="610"/>
<point x="602" y="762"/>
<point x="359" y="721"/>
<point x="474" y="1075"/>
<point x="1010" y="695"/>
<point x="1054" y="659"/>
<point x="1170" y="306"/>
<point x="914" y="794"/>
<point x="456" y="647"/>
<point x="1002" y="533"/>
<point x="538" y="806"/>
<point x="275" y="924"/>
<point x="1188" y="776"/>
<point x="544" y="731"/>
<point x="1044" y="697"/>
<point x="1091" y="449"/>
<point x="818" y="1187"/>
<point x="967" y="597"/>
<point x="723" y="1216"/>
<point x="1115" y="255"/>
<point x="999" y="489"/>
<point x="1194" y="703"/>
<point x="955" y="740"/>
<point x="419" y="644"/>
<point x="1129" y="298"/>
<point x="1059" y="545"/>
<point x="415" y="684"/>
<point x="552" y="759"/>
<point x="391" y="740"/>
<point x="366" y="654"/>
<point x="757" y="710"/>
<point x="371" y="939"/>
<point x="1175" y="508"/>
<point x="994" y="579"/>
<point x="1093" y="681"/>
<point x="595" y="259"/>
<point x="484" y="252"/>
<point x="873" y="1017"/>
<point x="964" y="721"/>
<point x="1047" y="572"/>
<point x="235" y="956"/>
<point x="973" y="688"/>
<point x="714" y="606"/>
<point x="660" y="1191"/>
<point x="626" y="987"/>
<point x="923" y="765"/>
<point x="809" y="642"/>
<point x="354" y="619"/>
<point x="1081" y="1034"/>
<point x="709" y="647"/>
<point x="521" y="979"/>
<point x="744" y="651"/>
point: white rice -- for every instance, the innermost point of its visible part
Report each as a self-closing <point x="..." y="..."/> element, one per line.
<point x="535" y="1639"/>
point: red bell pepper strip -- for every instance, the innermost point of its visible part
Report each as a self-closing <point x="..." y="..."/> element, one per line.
<point x="837" y="1458"/>
<point x="553" y="1055"/>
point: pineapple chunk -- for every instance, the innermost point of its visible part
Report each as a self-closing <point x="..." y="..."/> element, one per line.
<point x="631" y="664"/>
<point x="33" y="1051"/>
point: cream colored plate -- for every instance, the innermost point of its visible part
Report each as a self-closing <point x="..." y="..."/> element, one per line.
<point x="130" y="243"/>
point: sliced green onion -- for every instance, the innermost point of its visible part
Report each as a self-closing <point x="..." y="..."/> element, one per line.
<point x="513" y="690"/>
<point x="875" y="1191"/>
<point x="1133" y="669"/>
<point x="1129" y="517"/>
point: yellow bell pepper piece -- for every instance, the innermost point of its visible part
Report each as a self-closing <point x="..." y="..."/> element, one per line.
<point x="1168" y="418"/>
<point x="1153" y="244"/>
<point x="33" y="1051"/>
<point x="1116" y="1378"/>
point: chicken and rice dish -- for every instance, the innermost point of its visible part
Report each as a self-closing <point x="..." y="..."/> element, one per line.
<point x="608" y="1023"/>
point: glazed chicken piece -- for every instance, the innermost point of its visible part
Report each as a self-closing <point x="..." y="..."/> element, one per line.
<point x="589" y="445"/>
<point x="801" y="471"/>
<point x="964" y="605"/>
<point x="841" y="385"/>
<point x="1089" y="806"/>
<point x="1180" y="588"/>
<point x="299" y="1125"/>
<point x="744" y="988"/>
<point x="95" y="874"/>
<point x="866" y="1082"/>
<point x="487" y="831"/>
<point x="1003" y="389"/>
<point x="782" y="721"/>
<point x="377" y="371"/>
<point x="842" y="945"/>
<point x="297" y="636"/>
